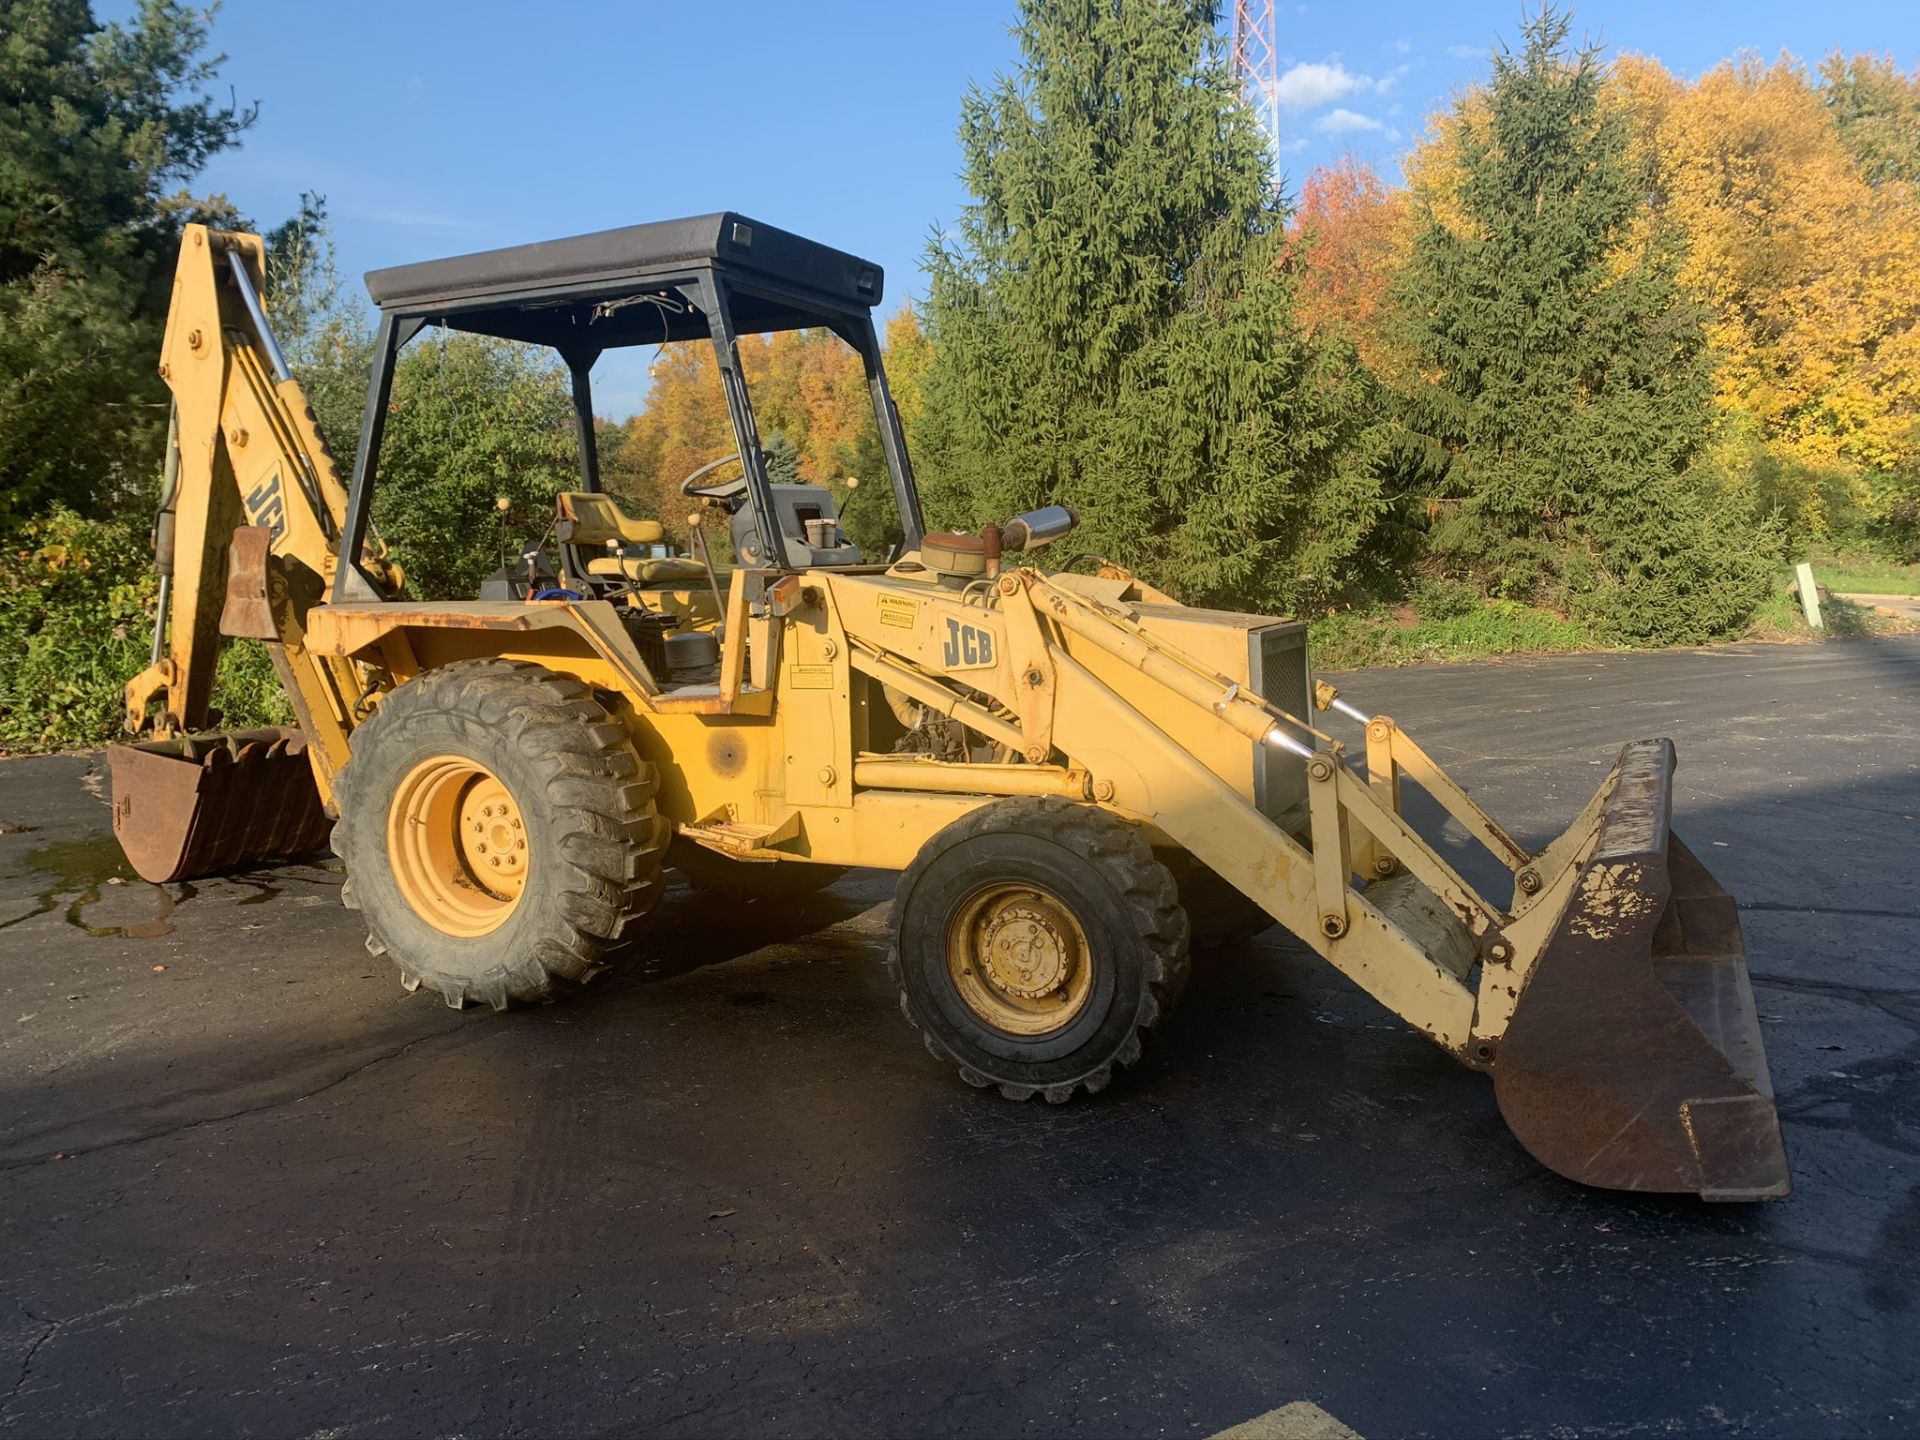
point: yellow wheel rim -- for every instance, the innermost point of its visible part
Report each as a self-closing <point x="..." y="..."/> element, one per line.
<point x="1019" y="959"/>
<point x="458" y="845"/>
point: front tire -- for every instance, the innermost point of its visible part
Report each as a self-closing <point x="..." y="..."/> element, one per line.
<point x="500" y="832"/>
<point x="1038" y="945"/>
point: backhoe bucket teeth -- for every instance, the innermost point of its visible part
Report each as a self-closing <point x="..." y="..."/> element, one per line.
<point x="1633" y="1059"/>
<point x="199" y="805"/>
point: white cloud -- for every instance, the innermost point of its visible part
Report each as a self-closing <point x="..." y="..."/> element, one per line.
<point x="1292" y="147"/>
<point x="1343" y="121"/>
<point x="1403" y="47"/>
<point x="1468" y="52"/>
<point x="1392" y="78"/>
<point x="1310" y="84"/>
<point x="1307" y="87"/>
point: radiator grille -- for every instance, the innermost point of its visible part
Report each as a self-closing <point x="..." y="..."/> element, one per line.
<point x="1277" y="668"/>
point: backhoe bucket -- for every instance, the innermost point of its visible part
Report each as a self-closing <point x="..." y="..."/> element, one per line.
<point x="202" y="804"/>
<point x="1633" y="1059"/>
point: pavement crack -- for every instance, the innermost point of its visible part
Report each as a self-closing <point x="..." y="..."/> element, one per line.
<point x="244" y="1112"/>
<point x="1776" y="908"/>
<point x="50" y="1328"/>
<point x="1872" y="994"/>
<point x="60" y="1327"/>
<point x="46" y="904"/>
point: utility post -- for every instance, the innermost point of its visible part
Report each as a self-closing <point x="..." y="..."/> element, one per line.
<point x="1809" y="595"/>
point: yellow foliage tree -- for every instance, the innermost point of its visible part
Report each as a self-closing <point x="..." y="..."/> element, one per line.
<point x="1811" y="275"/>
<point x="909" y="349"/>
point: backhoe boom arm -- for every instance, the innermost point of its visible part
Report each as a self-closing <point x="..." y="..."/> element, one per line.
<point x="250" y="524"/>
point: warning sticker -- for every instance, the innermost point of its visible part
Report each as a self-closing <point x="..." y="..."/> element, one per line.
<point x="900" y="610"/>
<point x="812" y="677"/>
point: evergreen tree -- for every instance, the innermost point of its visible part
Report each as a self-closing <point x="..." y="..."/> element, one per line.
<point x="1563" y="387"/>
<point x="100" y="123"/>
<point x="1112" y="329"/>
<point x="782" y="458"/>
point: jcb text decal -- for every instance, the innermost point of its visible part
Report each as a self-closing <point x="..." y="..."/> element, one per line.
<point x="264" y="505"/>
<point x="968" y="647"/>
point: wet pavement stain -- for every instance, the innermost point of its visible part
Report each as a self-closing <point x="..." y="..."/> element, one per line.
<point x="81" y="869"/>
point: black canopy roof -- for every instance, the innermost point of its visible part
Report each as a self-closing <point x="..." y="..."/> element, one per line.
<point x="615" y="287"/>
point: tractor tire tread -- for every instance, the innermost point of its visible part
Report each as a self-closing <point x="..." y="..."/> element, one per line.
<point x="616" y="840"/>
<point x="1146" y="887"/>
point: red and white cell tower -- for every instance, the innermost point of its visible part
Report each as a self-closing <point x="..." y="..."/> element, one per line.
<point x="1256" y="60"/>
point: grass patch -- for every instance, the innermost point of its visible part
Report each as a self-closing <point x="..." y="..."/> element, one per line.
<point x="1356" y="639"/>
<point x="1864" y="575"/>
<point x="1781" y="619"/>
<point x="1403" y="635"/>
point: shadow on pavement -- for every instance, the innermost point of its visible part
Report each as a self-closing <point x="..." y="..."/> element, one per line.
<point x="725" y="1191"/>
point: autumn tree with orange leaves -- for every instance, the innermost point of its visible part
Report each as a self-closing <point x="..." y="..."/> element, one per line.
<point x="1348" y="236"/>
<point x="809" y="392"/>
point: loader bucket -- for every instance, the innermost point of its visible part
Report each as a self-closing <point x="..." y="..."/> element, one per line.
<point x="198" y="805"/>
<point x="1633" y="1059"/>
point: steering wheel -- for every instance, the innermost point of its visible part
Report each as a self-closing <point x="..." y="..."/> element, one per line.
<point x="730" y="493"/>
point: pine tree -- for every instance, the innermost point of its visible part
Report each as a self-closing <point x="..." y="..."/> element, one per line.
<point x="100" y="124"/>
<point x="1112" y="329"/>
<point x="1564" y="387"/>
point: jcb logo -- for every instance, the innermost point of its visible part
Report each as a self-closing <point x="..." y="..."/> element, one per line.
<point x="968" y="647"/>
<point x="264" y="506"/>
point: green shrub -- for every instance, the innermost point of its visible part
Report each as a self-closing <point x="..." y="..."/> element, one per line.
<point x="76" y="620"/>
<point x="1441" y="597"/>
<point x="76" y="600"/>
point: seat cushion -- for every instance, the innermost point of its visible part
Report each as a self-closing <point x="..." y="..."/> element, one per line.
<point x="597" y="519"/>
<point x="675" y="569"/>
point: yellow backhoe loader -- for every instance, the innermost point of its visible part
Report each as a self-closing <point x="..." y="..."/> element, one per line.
<point x="1075" y="775"/>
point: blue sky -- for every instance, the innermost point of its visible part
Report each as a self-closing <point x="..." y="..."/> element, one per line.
<point x="434" y="127"/>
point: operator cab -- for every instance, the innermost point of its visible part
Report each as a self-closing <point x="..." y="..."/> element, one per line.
<point x="712" y="278"/>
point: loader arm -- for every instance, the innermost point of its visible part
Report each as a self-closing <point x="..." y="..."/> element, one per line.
<point x="1608" y="995"/>
<point x="245" y="542"/>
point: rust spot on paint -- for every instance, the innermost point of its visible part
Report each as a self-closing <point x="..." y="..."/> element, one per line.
<point x="1613" y="896"/>
<point x="726" y="753"/>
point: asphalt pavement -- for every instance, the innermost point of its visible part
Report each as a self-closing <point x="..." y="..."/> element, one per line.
<point x="248" y="1186"/>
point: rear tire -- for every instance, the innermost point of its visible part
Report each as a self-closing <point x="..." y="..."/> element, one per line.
<point x="1038" y="945"/>
<point x="569" y="805"/>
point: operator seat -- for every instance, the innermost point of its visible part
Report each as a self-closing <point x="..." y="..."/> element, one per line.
<point x="589" y="521"/>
